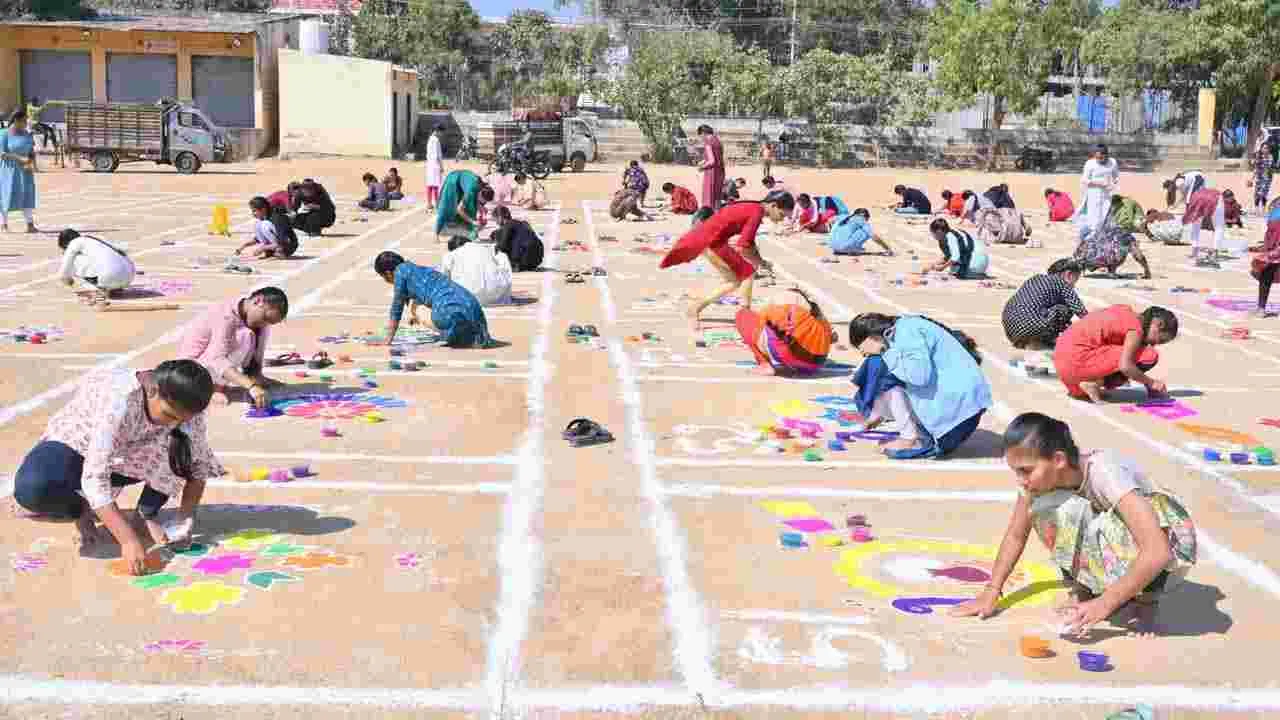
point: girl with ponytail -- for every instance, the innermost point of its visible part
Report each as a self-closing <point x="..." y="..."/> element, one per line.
<point x="787" y="338"/>
<point x="123" y="428"/>
<point x="923" y="376"/>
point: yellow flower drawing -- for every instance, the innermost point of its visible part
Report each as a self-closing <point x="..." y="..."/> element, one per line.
<point x="250" y="539"/>
<point x="201" y="598"/>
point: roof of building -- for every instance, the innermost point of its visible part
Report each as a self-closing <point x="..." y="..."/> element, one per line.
<point x="126" y="21"/>
<point x="323" y="7"/>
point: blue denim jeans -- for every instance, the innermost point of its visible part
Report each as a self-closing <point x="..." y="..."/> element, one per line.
<point x="48" y="482"/>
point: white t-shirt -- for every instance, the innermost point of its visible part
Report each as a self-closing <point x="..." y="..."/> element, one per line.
<point x="87" y="257"/>
<point x="264" y="232"/>
<point x="1109" y="477"/>
<point x="478" y="268"/>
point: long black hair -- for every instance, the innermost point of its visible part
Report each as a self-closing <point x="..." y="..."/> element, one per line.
<point x="186" y="385"/>
<point x="1044" y="435"/>
<point x="781" y="198"/>
<point x="1168" y="322"/>
<point x="868" y="325"/>
<point x="66" y="236"/>
<point x="1065" y="265"/>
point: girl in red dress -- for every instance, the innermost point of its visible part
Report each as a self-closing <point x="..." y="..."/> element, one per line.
<point x="736" y="263"/>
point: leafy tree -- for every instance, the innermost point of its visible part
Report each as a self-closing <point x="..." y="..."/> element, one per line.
<point x="1239" y="39"/>
<point x="664" y="80"/>
<point x="430" y="37"/>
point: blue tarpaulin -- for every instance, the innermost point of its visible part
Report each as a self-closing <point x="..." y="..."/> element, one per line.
<point x="1092" y="112"/>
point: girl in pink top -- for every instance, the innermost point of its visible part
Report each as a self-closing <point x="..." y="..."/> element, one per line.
<point x="1061" y="209"/>
<point x="123" y="428"/>
<point x="230" y="340"/>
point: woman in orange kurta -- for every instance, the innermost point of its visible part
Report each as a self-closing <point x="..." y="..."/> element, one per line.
<point x="1106" y="349"/>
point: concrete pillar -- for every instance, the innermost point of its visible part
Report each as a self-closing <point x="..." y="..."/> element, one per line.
<point x="185" y="93"/>
<point x="99" y="60"/>
<point x="10" y="72"/>
<point x="1208" y="106"/>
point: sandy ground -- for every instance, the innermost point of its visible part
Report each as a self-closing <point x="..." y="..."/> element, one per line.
<point x="461" y="560"/>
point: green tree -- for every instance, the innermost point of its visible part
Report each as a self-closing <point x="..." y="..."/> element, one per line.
<point x="1238" y="39"/>
<point x="665" y="80"/>
<point x="430" y="37"/>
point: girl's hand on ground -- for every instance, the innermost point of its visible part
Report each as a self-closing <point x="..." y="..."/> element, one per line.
<point x="1080" y="617"/>
<point x="260" y="396"/>
<point x="983" y="606"/>
<point x="1158" y="388"/>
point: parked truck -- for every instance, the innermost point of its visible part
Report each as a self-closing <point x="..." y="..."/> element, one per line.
<point x="166" y="133"/>
<point x="570" y="141"/>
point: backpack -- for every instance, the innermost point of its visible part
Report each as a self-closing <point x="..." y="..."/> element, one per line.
<point x="806" y="332"/>
<point x="848" y="234"/>
<point x="285" y="235"/>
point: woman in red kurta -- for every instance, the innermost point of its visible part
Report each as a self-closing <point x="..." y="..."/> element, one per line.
<point x="736" y="263"/>
<point x="683" y="202"/>
<point x="1106" y="349"/>
<point x="954" y="203"/>
<point x="1061" y="209"/>
<point x="712" y="167"/>
<point x="1266" y="264"/>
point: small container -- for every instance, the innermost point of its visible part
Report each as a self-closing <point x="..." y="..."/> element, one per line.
<point x="259" y="473"/>
<point x="861" y="534"/>
<point x="831" y="540"/>
<point x="394" y="365"/>
<point x="1094" y="662"/>
<point x="1266" y="459"/>
<point x="835" y="445"/>
<point x="792" y="540"/>
<point x="490" y="365"/>
<point x="1239" y="458"/>
<point x="279" y="476"/>
<point x="300" y="373"/>
<point x="329" y="431"/>
<point x="370" y="384"/>
<point x="1212" y="455"/>
<point x="856" y="521"/>
<point x="373" y="416"/>
<point x="782" y="433"/>
<point x="410" y="366"/>
<point x="1034" y="647"/>
<point x="19" y="337"/>
<point x="300" y="471"/>
<point x="812" y="456"/>
<point x="36" y="339"/>
<point x="326" y="377"/>
<point x="367" y="371"/>
<point x="397" y="352"/>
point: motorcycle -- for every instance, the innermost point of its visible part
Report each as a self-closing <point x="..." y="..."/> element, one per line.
<point x="468" y="149"/>
<point x="1034" y="158"/>
<point x="536" y="164"/>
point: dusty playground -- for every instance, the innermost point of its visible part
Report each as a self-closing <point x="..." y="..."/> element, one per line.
<point x="461" y="560"/>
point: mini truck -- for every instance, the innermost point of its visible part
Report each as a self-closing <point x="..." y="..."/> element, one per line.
<point x="568" y="140"/>
<point x="166" y="133"/>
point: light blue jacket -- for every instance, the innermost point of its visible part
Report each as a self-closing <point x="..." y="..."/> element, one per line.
<point x="943" y="382"/>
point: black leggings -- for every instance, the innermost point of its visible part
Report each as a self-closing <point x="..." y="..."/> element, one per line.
<point x="48" y="482"/>
<point x="1265" y="278"/>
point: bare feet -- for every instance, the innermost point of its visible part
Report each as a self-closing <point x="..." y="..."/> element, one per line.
<point x="1093" y="390"/>
<point x="220" y="398"/>
<point x="766" y="370"/>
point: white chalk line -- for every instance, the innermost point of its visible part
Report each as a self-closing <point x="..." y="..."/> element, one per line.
<point x="686" y="617"/>
<point x="913" y="466"/>
<point x="20" y="689"/>
<point x="695" y="490"/>
<point x="1228" y="558"/>
<point x="54" y="356"/>
<point x="743" y="380"/>
<point x="9" y="414"/>
<point x="424" y="374"/>
<point x="317" y="457"/>
<point x="796" y="617"/>
<point x="304" y="485"/>
<point x="520" y="559"/>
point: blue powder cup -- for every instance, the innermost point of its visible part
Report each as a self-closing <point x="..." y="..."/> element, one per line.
<point x="1239" y="458"/>
<point x="792" y="539"/>
<point x="1094" y="662"/>
<point x="1212" y="455"/>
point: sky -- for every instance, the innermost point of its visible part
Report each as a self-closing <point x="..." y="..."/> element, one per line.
<point x="503" y="8"/>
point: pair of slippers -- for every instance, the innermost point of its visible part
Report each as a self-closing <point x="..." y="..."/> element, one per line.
<point x="574" y="278"/>
<point x="582" y="432"/>
<point x="582" y="331"/>
<point x="319" y="361"/>
<point x="292" y="358"/>
<point x="235" y="267"/>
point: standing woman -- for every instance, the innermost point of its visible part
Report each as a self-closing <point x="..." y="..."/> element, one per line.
<point x="1097" y="182"/>
<point x="712" y="167"/>
<point x="17" y="171"/>
<point x="1264" y="166"/>
<point x="435" y="167"/>
<point x="710" y="239"/>
<point x="1205" y="203"/>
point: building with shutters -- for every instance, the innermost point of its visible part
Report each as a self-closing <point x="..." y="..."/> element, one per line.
<point x="224" y="63"/>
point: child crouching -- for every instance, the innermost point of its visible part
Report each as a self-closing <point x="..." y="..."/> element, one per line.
<point x="1119" y="542"/>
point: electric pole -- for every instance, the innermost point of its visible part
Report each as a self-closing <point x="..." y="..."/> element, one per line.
<point x="794" y="7"/>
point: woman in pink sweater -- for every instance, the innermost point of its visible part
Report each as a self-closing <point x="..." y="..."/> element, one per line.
<point x="230" y="341"/>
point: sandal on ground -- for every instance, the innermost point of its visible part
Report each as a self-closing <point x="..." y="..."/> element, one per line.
<point x="292" y="358"/>
<point x="575" y="331"/>
<point x="319" y="361"/>
<point x="583" y="432"/>
<point x="590" y="331"/>
<point x="236" y="267"/>
<point x="574" y="278"/>
<point x="570" y="221"/>
<point x="599" y="272"/>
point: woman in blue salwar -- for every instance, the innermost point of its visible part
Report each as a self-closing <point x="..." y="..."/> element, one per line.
<point x="926" y="379"/>
<point x="462" y="195"/>
<point x="455" y="312"/>
<point x="17" y="171"/>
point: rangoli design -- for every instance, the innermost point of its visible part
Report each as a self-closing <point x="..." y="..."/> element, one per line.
<point x="335" y="406"/>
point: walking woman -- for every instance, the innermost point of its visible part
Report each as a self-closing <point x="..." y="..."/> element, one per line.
<point x="17" y="171"/>
<point x="435" y="167"/>
<point x="712" y="167"/>
<point x="1098" y="181"/>
<point x="1265" y="159"/>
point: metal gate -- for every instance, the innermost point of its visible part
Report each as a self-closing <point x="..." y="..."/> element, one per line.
<point x="223" y="88"/>
<point x="141" y="78"/>
<point x="56" y="75"/>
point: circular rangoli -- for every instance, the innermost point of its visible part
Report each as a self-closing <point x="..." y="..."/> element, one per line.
<point x="898" y="568"/>
<point x="336" y="406"/>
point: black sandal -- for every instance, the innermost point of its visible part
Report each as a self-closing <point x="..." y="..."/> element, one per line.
<point x="575" y="331"/>
<point x="319" y="361"/>
<point x="574" y="278"/>
<point x="583" y="432"/>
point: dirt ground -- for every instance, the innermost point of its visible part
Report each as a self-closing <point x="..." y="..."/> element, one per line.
<point x="461" y="560"/>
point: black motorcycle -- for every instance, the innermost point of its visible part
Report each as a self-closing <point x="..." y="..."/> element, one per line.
<point x="1034" y="158"/>
<point x="468" y="149"/>
<point x="536" y="164"/>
